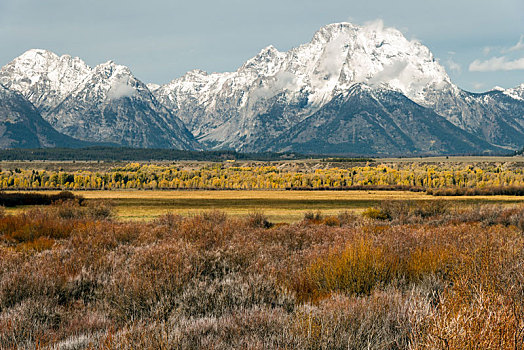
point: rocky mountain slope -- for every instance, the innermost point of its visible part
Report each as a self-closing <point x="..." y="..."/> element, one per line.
<point x="299" y="82"/>
<point x="43" y="77"/>
<point x="22" y="126"/>
<point x="380" y="122"/>
<point x="496" y="116"/>
<point x="104" y="104"/>
<point x="112" y="105"/>
<point x="276" y="91"/>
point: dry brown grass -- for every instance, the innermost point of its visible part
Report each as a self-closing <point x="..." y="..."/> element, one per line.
<point x="424" y="278"/>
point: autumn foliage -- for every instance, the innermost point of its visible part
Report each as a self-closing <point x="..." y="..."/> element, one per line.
<point x="438" y="178"/>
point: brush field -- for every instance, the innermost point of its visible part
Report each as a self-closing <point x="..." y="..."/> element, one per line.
<point x="424" y="266"/>
<point x="400" y="275"/>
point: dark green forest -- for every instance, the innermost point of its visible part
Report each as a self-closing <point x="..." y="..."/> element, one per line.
<point x="103" y="153"/>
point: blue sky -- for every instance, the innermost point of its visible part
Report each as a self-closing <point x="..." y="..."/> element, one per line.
<point x="481" y="42"/>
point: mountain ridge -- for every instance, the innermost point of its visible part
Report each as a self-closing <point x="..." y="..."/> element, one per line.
<point x="299" y="82"/>
<point x="104" y="104"/>
<point x="269" y="96"/>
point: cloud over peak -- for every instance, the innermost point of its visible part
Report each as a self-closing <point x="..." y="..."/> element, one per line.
<point x="453" y="66"/>
<point x="120" y="89"/>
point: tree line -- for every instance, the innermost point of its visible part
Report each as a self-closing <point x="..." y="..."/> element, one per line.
<point x="102" y="153"/>
<point x="231" y="176"/>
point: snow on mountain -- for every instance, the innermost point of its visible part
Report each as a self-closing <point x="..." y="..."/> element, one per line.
<point x="152" y="86"/>
<point x="516" y="93"/>
<point x="224" y="109"/>
<point x="111" y="105"/>
<point x="43" y="77"/>
<point x="341" y="55"/>
<point x="376" y="121"/>
<point x="496" y="116"/>
<point x="273" y="95"/>
<point x="104" y="104"/>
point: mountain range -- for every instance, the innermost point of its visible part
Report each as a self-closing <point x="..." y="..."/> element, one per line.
<point x="359" y="90"/>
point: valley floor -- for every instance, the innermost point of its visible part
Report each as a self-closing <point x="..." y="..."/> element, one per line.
<point x="277" y="205"/>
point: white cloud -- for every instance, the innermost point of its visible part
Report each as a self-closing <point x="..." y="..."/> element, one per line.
<point x="453" y="66"/>
<point x="333" y="57"/>
<point x="273" y="86"/>
<point x="120" y="89"/>
<point x="496" y="64"/>
<point x="518" y="46"/>
<point x="376" y="25"/>
<point x="393" y="71"/>
<point x="486" y="50"/>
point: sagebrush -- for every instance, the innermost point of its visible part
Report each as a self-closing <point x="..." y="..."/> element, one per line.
<point x="417" y="277"/>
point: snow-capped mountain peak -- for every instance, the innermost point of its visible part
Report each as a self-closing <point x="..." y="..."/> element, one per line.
<point x="152" y="86"/>
<point x="266" y="61"/>
<point x="516" y="93"/>
<point x="376" y="56"/>
<point x="347" y="80"/>
<point x="115" y="81"/>
<point x="43" y="77"/>
<point x="338" y="57"/>
<point x="103" y="104"/>
<point x="110" y="68"/>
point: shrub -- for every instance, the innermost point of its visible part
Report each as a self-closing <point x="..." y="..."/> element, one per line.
<point x="375" y="214"/>
<point x="356" y="270"/>
<point x="346" y="218"/>
<point x="382" y="320"/>
<point x="426" y="278"/>
<point x="429" y="209"/>
<point x="216" y="297"/>
<point x="93" y="210"/>
<point x="100" y="210"/>
<point x="331" y="221"/>
<point x="13" y="199"/>
<point x="39" y="244"/>
<point x="407" y="211"/>
<point x="168" y="220"/>
<point x="484" y="191"/>
<point x="32" y="225"/>
<point x="31" y="321"/>
<point x="258" y="220"/>
<point x="312" y="217"/>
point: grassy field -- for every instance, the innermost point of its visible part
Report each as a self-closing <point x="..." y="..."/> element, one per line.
<point x="279" y="206"/>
